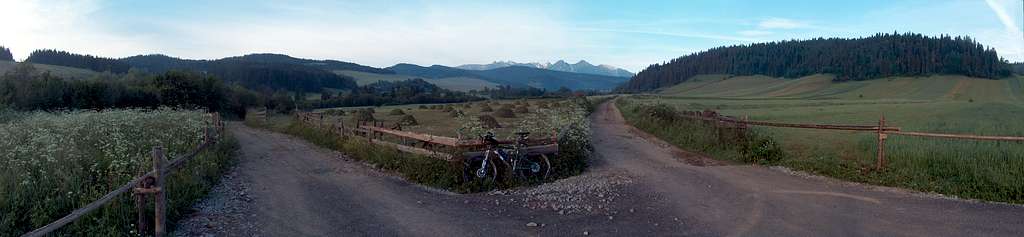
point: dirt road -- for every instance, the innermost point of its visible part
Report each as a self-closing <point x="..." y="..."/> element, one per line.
<point x="758" y="201"/>
<point x="634" y="187"/>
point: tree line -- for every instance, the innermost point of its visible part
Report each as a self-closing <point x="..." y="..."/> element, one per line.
<point x="412" y="91"/>
<point x="27" y="88"/>
<point x="254" y="73"/>
<point x="63" y="58"/>
<point x="878" y="56"/>
<point x="5" y="54"/>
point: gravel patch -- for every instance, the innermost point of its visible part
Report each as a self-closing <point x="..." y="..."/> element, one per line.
<point x="584" y="194"/>
<point x="226" y="211"/>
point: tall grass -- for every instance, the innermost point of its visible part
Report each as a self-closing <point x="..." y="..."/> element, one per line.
<point x="53" y="163"/>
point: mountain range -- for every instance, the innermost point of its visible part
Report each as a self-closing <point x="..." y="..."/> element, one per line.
<point x="272" y="72"/>
<point x="579" y="67"/>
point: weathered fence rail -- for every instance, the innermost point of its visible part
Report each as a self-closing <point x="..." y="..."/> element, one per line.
<point x="150" y="183"/>
<point x="881" y="129"/>
<point x="441" y="147"/>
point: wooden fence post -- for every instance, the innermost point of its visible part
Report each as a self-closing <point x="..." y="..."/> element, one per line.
<point x="881" y="143"/>
<point x="160" y="208"/>
<point x="140" y="208"/>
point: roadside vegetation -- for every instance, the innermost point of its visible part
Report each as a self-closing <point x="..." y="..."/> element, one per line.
<point x="986" y="170"/>
<point x="568" y="116"/>
<point x="54" y="163"/>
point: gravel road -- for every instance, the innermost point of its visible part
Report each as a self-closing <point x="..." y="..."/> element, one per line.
<point x="637" y="185"/>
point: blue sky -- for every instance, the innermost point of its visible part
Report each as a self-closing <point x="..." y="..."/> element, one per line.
<point x="628" y="34"/>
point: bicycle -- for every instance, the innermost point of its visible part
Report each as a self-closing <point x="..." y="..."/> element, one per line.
<point x="516" y="161"/>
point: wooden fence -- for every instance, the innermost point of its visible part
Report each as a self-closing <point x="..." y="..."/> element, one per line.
<point x="881" y="129"/>
<point x="149" y="184"/>
<point x="441" y="147"/>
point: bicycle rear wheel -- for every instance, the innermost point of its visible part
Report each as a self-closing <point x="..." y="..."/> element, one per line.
<point x="535" y="167"/>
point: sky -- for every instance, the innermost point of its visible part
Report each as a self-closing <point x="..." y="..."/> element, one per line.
<point x="626" y="34"/>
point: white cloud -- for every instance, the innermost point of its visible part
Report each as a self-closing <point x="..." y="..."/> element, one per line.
<point x="781" y="23"/>
<point x="1010" y="42"/>
<point x="31" y="24"/>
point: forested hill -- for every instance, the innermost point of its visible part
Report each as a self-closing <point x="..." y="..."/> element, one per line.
<point x="256" y="74"/>
<point x="517" y="76"/>
<point x="62" y="58"/>
<point x="5" y="54"/>
<point x="330" y="65"/>
<point x="878" y="56"/>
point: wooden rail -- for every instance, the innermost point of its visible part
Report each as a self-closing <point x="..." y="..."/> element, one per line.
<point x="375" y="130"/>
<point x="881" y="130"/>
<point x="142" y="187"/>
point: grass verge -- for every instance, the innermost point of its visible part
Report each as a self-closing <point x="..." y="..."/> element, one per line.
<point x="990" y="171"/>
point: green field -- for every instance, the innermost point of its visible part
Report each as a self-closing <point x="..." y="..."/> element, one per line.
<point x="438" y="121"/>
<point x="942" y="104"/>
<point x="59" y="71"/>
<point x="451" y="83"/>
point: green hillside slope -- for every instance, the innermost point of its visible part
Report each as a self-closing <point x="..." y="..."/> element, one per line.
<point x="59" y="71"/>
<point x="821" y="86"/>
<point x="451" y="83"/>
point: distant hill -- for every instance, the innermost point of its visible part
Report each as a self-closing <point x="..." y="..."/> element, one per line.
<point x="59" y="71"/>
<point x="1018" y="68"/>
<point x="579" y="67"/>
<point x="329" y="65"/>
<point x="432" y="72"/>
<point x="62" y="58"/>
<point x="516" y="76"/>
<point x="879" y="56"/>
<point x="5" y="54"/>
<point x="450" y="83"/>
<point x="254" y="73"/>
<point x="552" y="80"/>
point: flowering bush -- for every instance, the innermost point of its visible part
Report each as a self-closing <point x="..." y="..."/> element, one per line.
<point x="53" y="163"/>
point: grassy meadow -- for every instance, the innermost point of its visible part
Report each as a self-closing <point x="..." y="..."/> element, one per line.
<point x="54" y="163"/>
<point x="944" y="104"/>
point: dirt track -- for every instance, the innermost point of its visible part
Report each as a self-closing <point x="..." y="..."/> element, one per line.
<point x="634" y="187"/>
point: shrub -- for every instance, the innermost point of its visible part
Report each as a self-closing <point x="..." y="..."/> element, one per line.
<point x="488" y="121"/>
<point x="505" y="113"/>
<point x="486" y="108"/>
<point x="408" y="120"/>
<point x="335" y="112"/>
<point x="396" y="112"/>
<point x="507" y="106"/>
<point x="522" y="110"/>
<point x="423" y="107"/>
<point x="455" y="113"/>
<point x="448" y="109"/>
<point x="363" y="115"/>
